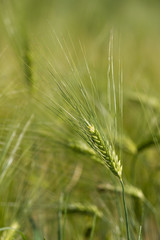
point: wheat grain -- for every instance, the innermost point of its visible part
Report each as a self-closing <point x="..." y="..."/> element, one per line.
<point x="105" y="152"/>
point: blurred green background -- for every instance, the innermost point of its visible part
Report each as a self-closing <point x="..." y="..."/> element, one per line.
<point x="37" y="166"/>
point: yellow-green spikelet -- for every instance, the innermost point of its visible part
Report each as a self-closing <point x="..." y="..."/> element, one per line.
<point x="105" y="151"/>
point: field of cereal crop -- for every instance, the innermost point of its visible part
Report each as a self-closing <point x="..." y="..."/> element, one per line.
<point x="79" y="120"/>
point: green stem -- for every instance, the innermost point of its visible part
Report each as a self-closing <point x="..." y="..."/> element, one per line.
<point x="125" y="210"/>
<point x="65" y="215"/>
<point x="60" y="234"/>
<point x="140" y="233"/>
<point x="93" y="226"/>
<point x="59" y="225"/>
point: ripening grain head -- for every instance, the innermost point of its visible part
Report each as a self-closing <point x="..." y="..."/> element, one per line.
<point x="105" y="151"/>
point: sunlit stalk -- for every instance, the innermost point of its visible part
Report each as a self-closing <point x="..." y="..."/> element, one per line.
<point x="125" y="210"/>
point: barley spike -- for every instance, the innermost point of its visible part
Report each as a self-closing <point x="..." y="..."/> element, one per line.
<point x="105" y="152"/>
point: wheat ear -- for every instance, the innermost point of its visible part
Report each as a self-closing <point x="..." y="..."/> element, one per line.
<point x="105" y="151"/>
<point x="110" y="159"/>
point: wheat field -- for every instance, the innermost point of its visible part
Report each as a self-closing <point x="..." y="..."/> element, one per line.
<point x="79" y="120"/>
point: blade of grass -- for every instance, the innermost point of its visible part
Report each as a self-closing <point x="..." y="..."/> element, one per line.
<point x="93" y="226"/>
<point x="60" y="232"/>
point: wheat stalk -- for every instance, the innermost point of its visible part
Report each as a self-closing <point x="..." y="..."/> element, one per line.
<point x="80" y="112"/>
